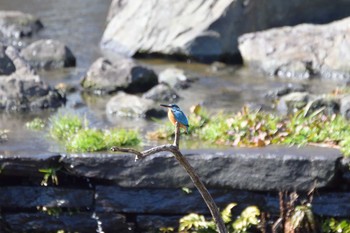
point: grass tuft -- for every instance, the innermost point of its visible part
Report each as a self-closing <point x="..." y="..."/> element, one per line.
<point x="63" y="127"/>
<point x="36" y="124"/>
<point x="257" y="128"/>
<point x="76" y="136"/>
<point x="86" y="140"/>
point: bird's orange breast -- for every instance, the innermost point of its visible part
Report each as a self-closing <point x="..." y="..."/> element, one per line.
<point x="173" y="119"/>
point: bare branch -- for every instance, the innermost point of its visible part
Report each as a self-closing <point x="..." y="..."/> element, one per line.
<point x="174" y="149"/>
<point x="177" y="135"/>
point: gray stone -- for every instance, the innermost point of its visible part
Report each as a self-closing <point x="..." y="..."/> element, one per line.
<point x="292" y="102"/>
<point x="15" y="24"/>
<point x="105" y="76"/>
<point x="325" y="204"/>
<point x="330" y="105"/>
<point x="12" y="197"/>
<point x="285" y="89"/>
<point x="296" y="101"/>
<point x="332" y="204"/>
<point x="168" y="201"/>
<point x="301" y="51"/>
<point x="126" y="105"/>
<point x="21" y="92"/>
<point x="162" y="93"/>
<point x="76" y="222"/>
<point x="27" y="164"/>
<point x="345" y="106"/>
<point x="204" y="30"/>
<point x="174" y="77"/>
<point x="262" y="169"/>
<point x="48" y="54"/>
<point x="6" y="65"/>
<point x="22" y="67"/>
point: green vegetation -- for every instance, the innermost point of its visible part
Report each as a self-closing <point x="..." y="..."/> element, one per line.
<point x="4" y="135"/>
<point x="36" y="124"/>
<point x="197" y="223"/>
<point x="73" y="132"/>
<point x="295" y="218"/>
<point x="336" y="226"/>
<point x="257" y="128"/>
<point x="77" y="137"/>
<point x="86" y="140"/>
<point x="63" y="127"/>
<point x="49" y="173"/>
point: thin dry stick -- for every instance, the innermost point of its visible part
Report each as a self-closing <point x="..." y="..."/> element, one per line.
<point x="174" y="148"/>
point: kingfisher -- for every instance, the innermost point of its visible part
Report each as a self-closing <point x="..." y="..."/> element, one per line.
<point x="175" y="114"/>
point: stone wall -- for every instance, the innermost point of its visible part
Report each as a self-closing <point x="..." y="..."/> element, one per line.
<point x="113" y="193"/>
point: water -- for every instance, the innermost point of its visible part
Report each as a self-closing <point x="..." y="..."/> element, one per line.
<point x="80" y="24"/>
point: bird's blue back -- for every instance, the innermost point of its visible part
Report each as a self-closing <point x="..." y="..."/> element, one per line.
<point x="179" y="116"/>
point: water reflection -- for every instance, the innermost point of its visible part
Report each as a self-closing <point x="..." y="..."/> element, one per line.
<point x="80" y="24"/>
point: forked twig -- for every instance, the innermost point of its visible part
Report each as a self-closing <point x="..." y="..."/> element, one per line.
<point x="174" y="149"/>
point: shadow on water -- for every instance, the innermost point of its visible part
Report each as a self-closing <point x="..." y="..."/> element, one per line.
<point x="80" y="24"/>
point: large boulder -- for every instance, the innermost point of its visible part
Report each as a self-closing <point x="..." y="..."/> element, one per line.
<point x="204" y="29"/>
<point x="301" y="51"/>
<point x="107" y="76"/>
<point x="20" y="93"/>
<point x="21" y="66"/>
<point x="126" y="105"/>
<point x="48" y="54"/>
<point x="23" y="90"/>
<point x="15" y="24"/>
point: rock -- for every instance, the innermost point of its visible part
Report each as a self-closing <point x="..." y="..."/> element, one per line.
<point x="204" y="30"/>
<point x="16" y="24"/>
<point x="296" y="101"/>
<point x="286" y="89"/>
<point x="32" y="197"/>
<point x="27" y="164"/>
<point x="292" y="102"/>
<point x="330" y="105"/>
<point x="126" y="105"/>
<point x="162" y="92"/>
<point x="174" y="77"/>
<point x="22" y="67"/>
<point x="328" y="204"/>
<point x="105" y="76"/>
<point x="345" y="106"/>
<point x="260" y="169"/>
<point x="6" y="65"/>
<point x="301" y="51"/>
<point x="22" y="92"/>
<point x="48" y="54"/>
<point x="173" y="201"/>
<point x="68" y="222"/>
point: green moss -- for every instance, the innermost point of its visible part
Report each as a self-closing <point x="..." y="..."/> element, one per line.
<point x="257" y="128"/>
<point x="63" y="127"/>
<point x="86" y="140"/>
<point x="121" y="137"/>
<point x="334" y="226"/>
<point x="36" y="124"/>
<point x="76" y="136"/>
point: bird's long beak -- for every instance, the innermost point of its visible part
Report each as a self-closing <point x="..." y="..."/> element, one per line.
<point x="166" y="105"/>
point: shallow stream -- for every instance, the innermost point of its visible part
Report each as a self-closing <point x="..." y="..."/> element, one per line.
<point x="80" y="24"/>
